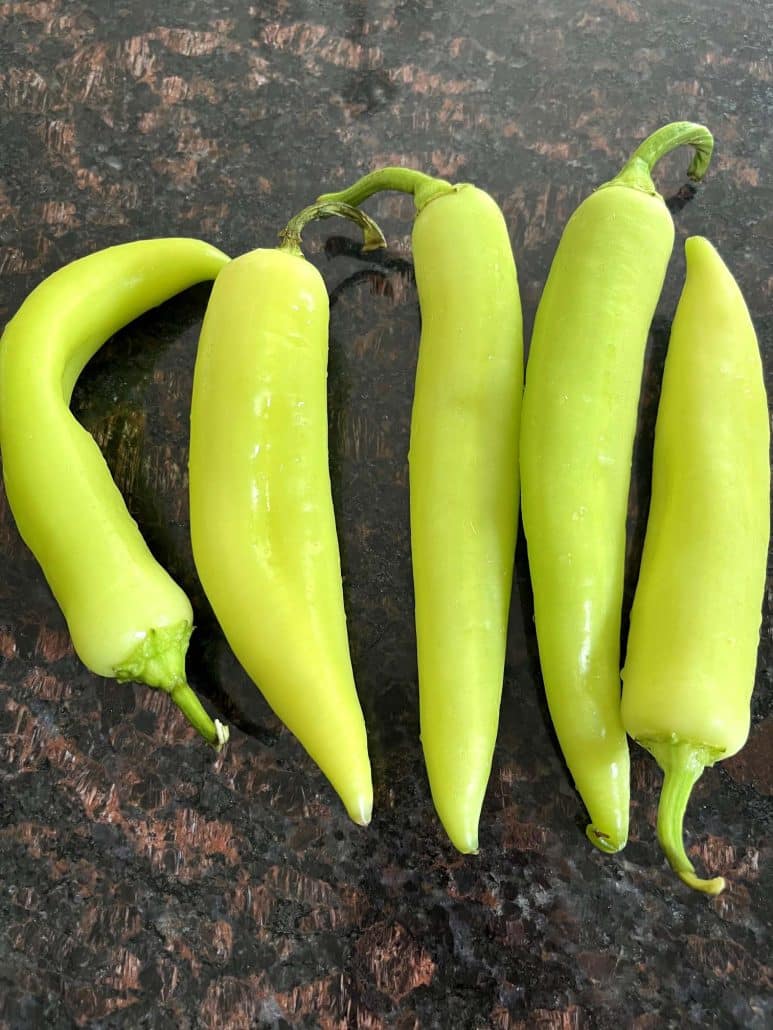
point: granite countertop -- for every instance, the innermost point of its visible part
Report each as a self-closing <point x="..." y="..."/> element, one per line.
<point x="146" y="882"/>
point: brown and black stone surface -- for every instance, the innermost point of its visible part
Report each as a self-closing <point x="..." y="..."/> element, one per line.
<point x="147" y="883"/>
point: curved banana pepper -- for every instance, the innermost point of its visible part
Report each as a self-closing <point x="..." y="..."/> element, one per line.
<point x="128" y="619"/>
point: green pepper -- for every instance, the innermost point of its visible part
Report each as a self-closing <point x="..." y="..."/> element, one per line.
<point x="695" y="621"/>
<point x="463" y="464"/>
<point x="262" y="520"/>
<point x="583" y="380"/>
<point x="128" y="619"/>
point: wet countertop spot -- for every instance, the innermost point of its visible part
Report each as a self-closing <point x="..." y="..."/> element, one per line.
<point x="146" y="882"/>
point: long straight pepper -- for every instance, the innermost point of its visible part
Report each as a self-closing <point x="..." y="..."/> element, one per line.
<point x="583" y="380"/>
<point x="463" y="464"/>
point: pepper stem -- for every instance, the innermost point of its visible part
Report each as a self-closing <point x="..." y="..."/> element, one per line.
<point x="682" y="764"/>
<point x="373" y="238"/>
<point x="422" y="187"/>
<point x="158" y="660"/>
<point x="214" y="732"/>
<point x="637" y="171"/>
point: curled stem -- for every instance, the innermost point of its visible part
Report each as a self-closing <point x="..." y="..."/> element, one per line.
<point x="678" y="134"/>
<point x="423" y="188"/>
<point x="682" y="764"/>
<point x="637" y="171"/>
<point x="290" y="236"/>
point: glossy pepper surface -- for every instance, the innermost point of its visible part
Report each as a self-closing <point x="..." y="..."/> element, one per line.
<point x="695" y="622"/>
<point x="463" y="464"/>
<point x="583" y="379"/>
<point x="262" y="520"/>
<point x="128" y="619"/>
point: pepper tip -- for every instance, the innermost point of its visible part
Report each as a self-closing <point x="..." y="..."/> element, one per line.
<point x="603" y="841"/>
<point x="361" y="811"/>
<point x="464" y="838"/>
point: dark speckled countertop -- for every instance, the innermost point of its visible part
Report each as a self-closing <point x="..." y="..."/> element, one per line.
<point x="146" y="883"/>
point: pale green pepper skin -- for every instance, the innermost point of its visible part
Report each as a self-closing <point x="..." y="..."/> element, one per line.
<point x="695" y="622"/>
<point x="463" y="464"/>
<point x="262" y="519"/>
<point x="128" y="619"/>
<point x="583" y="380"/>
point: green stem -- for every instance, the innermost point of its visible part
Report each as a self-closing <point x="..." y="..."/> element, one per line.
<point x="215" y="733"/>
<point x="637" y="171"/>
<point x="373" y="238"/>
<point x="423" y="188"/>
<point x="158" y="660"/>
<point x="682" y="764"/>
